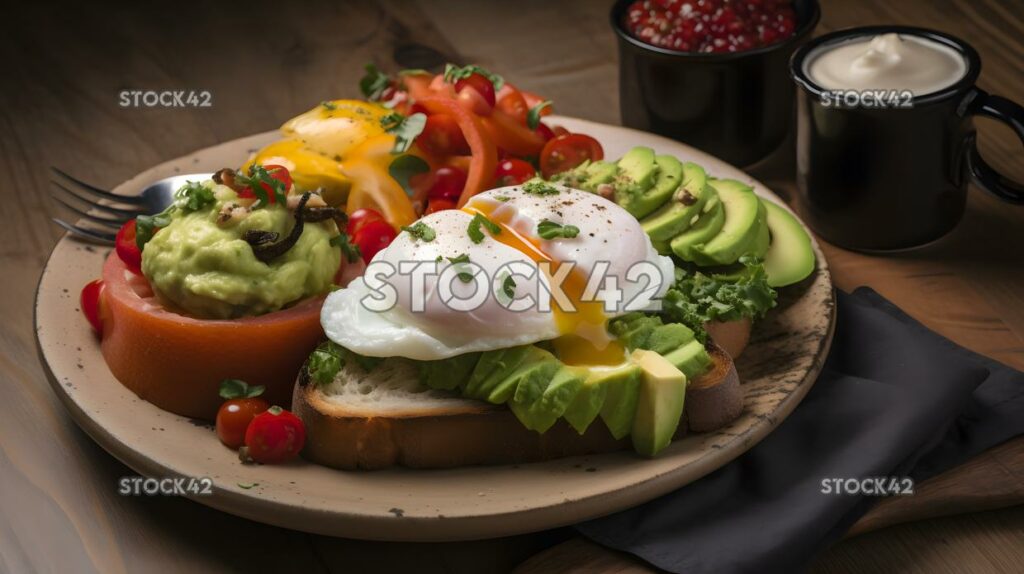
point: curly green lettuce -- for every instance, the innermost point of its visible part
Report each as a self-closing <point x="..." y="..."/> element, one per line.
<point x="697" y="298"/>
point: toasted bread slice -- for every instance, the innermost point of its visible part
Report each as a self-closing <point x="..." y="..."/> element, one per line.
<point x="732" y="336"/>
<point x="386" y="418"/>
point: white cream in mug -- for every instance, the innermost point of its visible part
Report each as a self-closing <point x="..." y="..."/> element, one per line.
<point x="887" y="62"/>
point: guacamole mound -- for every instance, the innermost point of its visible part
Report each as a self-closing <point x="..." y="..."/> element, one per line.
<point x="207" y="270"/>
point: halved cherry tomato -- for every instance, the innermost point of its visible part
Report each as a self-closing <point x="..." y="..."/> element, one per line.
<point x="545" y="132"/>
<point x="447" y="183"/>
<point x="126" y="247"/>
<point x="234" y="417"/>
<point x="373" y="236"/>
<point x="442" y="136"/>
<point x="559" y="131"/>
<point x="568" y="151"/>
<point x="513" y="172"/>
<point x="274" y="436"/>
<point x="278" y="172"/>
<point x="89" y="301"/>
<point x="360" y="217"/>
<point x="481" y="84"/>
<point x="512" y="103"/>
<point x="439" y="205"/>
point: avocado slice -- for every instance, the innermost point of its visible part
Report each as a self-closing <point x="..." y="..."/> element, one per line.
<point x="743" y="215"/>
<point x="540" y="414"/>
<point x="764" y="237"/>
<point x="708" y="226"/>
<point x="662" y="247"/>
<point x="596" y="391"/>
<point x="633" y="330"/>
<point x="660" y="402"/>
<point x="620" y="403"/>
<point x="692" y="359"/>
<point x="492" y="368"/>
<point x="448" y="374"/>
<point x="598" y="173"/>
<point x="678" y="215"/>
<point x="669" y="178"/>
<point x="789" y="258"/>
<point x="667" y="338"/>
<point x="525" y="383"/>
<point x="636" y="174"/>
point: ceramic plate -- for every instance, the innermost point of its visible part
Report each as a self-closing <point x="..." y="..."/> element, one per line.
<point x="785" y="355"/>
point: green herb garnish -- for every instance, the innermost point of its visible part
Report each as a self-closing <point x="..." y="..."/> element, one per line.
<point x="453" y="74"/>
<point x="259" y="181"/>
<point x="550" y="230"/>
<point x="405" y="129"/>
<point x="533" y="116"/>
<point x="404" y="167"/>
<point x="421" y="230"/>
<point x="236" y="389"/>
<point x="508" y="287"/>
<point x="325" y="362"/>
<point x="350" y="251"/>
<point x="194" y="196"/>
<point x="374" y="82"/>
<point x="537" y="187"/>
<point x="329" y="106"/>
<point x="461" y="261"/>
<point x="476" y="235"/>
<point x="146" y="226"/>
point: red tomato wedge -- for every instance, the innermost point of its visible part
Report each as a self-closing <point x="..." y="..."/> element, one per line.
<point x="484" y="153"/>
<point x="510" y="135"/>
<point x="177" y="362"/>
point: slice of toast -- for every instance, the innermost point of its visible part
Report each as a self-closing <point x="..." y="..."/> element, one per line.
<point x="386" y="418"/>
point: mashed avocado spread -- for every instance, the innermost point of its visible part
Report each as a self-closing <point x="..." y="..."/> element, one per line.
<point x="201" y="264"/>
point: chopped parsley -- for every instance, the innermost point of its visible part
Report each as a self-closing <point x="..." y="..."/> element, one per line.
<point x="538" y="187"/>
<point x="533" y="116"/>
<point x="374" y="82"/>
<point x="404" y="128"/>
<point x="329" y="106"/>
<point x="350" y="251"/>
<point x="259" y="180"/>
<point x="476" y="235"/>
<point x="508" y="287"/>
<point x="502" y="198"/>
<point x="550" y="230"/>
<point x="421" y="230"/>
<point x="325" y="362"/>
<point x="461" y="261"/>
<point x="453" y="74"/>
<point x="147" y="225"/>
<point x="194" y="196"/>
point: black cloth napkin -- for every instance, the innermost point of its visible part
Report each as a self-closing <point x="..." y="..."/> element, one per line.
<point x="894" y="399"/>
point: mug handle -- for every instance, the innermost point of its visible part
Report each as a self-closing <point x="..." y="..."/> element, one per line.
<point x="984" y="175"/>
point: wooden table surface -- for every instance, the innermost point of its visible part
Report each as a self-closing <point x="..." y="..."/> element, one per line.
<point x="64" y="67"/>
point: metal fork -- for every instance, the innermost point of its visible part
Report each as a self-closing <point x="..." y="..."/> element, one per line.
<point x="116" y="209"/>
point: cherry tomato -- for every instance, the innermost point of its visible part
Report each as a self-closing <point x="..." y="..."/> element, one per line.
<point x="545" y="132"/>
<point x="360" y="217"/>
<point x="559" y="131"/>
<point x="278" y="172"/>
<point x="439" y="205"/>
<point x="568" y="151"/>
<point x="481" y="84"/>
<point x="234" y="417"/>
<point x="372" y="237"/>
<point x="447" y="183"/>
<point x="442" y="137"/>
<point x="274" y="436"/>
<point x="512" y="103"/>
<point x="89" y="301"/>
<point x="513" y="172"/>
<point x="126" y="247"/>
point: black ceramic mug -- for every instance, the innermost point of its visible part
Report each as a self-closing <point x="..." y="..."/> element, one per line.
<point x="893" y="177"/>
<point x="736" y="106"/>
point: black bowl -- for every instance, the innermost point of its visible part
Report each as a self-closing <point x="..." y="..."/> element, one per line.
<point x="737" y="106"/>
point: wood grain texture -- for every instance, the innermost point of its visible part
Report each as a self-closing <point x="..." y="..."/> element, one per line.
<point x="64" y="65"/>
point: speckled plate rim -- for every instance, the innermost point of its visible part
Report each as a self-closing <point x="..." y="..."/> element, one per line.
<point x="786" y="354"/>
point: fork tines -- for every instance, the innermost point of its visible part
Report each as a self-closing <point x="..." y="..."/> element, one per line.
<point x="102" y="228"/>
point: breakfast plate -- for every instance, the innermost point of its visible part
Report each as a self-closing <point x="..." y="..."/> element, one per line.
<point x="785" y="355"/>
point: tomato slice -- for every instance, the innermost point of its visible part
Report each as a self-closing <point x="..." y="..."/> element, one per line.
<point x="360" y="217"/>
<point x="90" y="304"/>
<point x="373" y="236"/>
<point x="511" y="102"/>
<point x="442" y="136"/>
<point x="127" y="248"/>
<point x="568" y="151"/>
<point x="439" y="205"/>
<point x="484" y="153"/>
<point x="513" y="172"/>
<point x="447" y="183"/>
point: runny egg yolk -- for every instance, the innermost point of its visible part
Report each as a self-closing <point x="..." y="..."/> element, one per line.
<point x="584" y="339"/>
